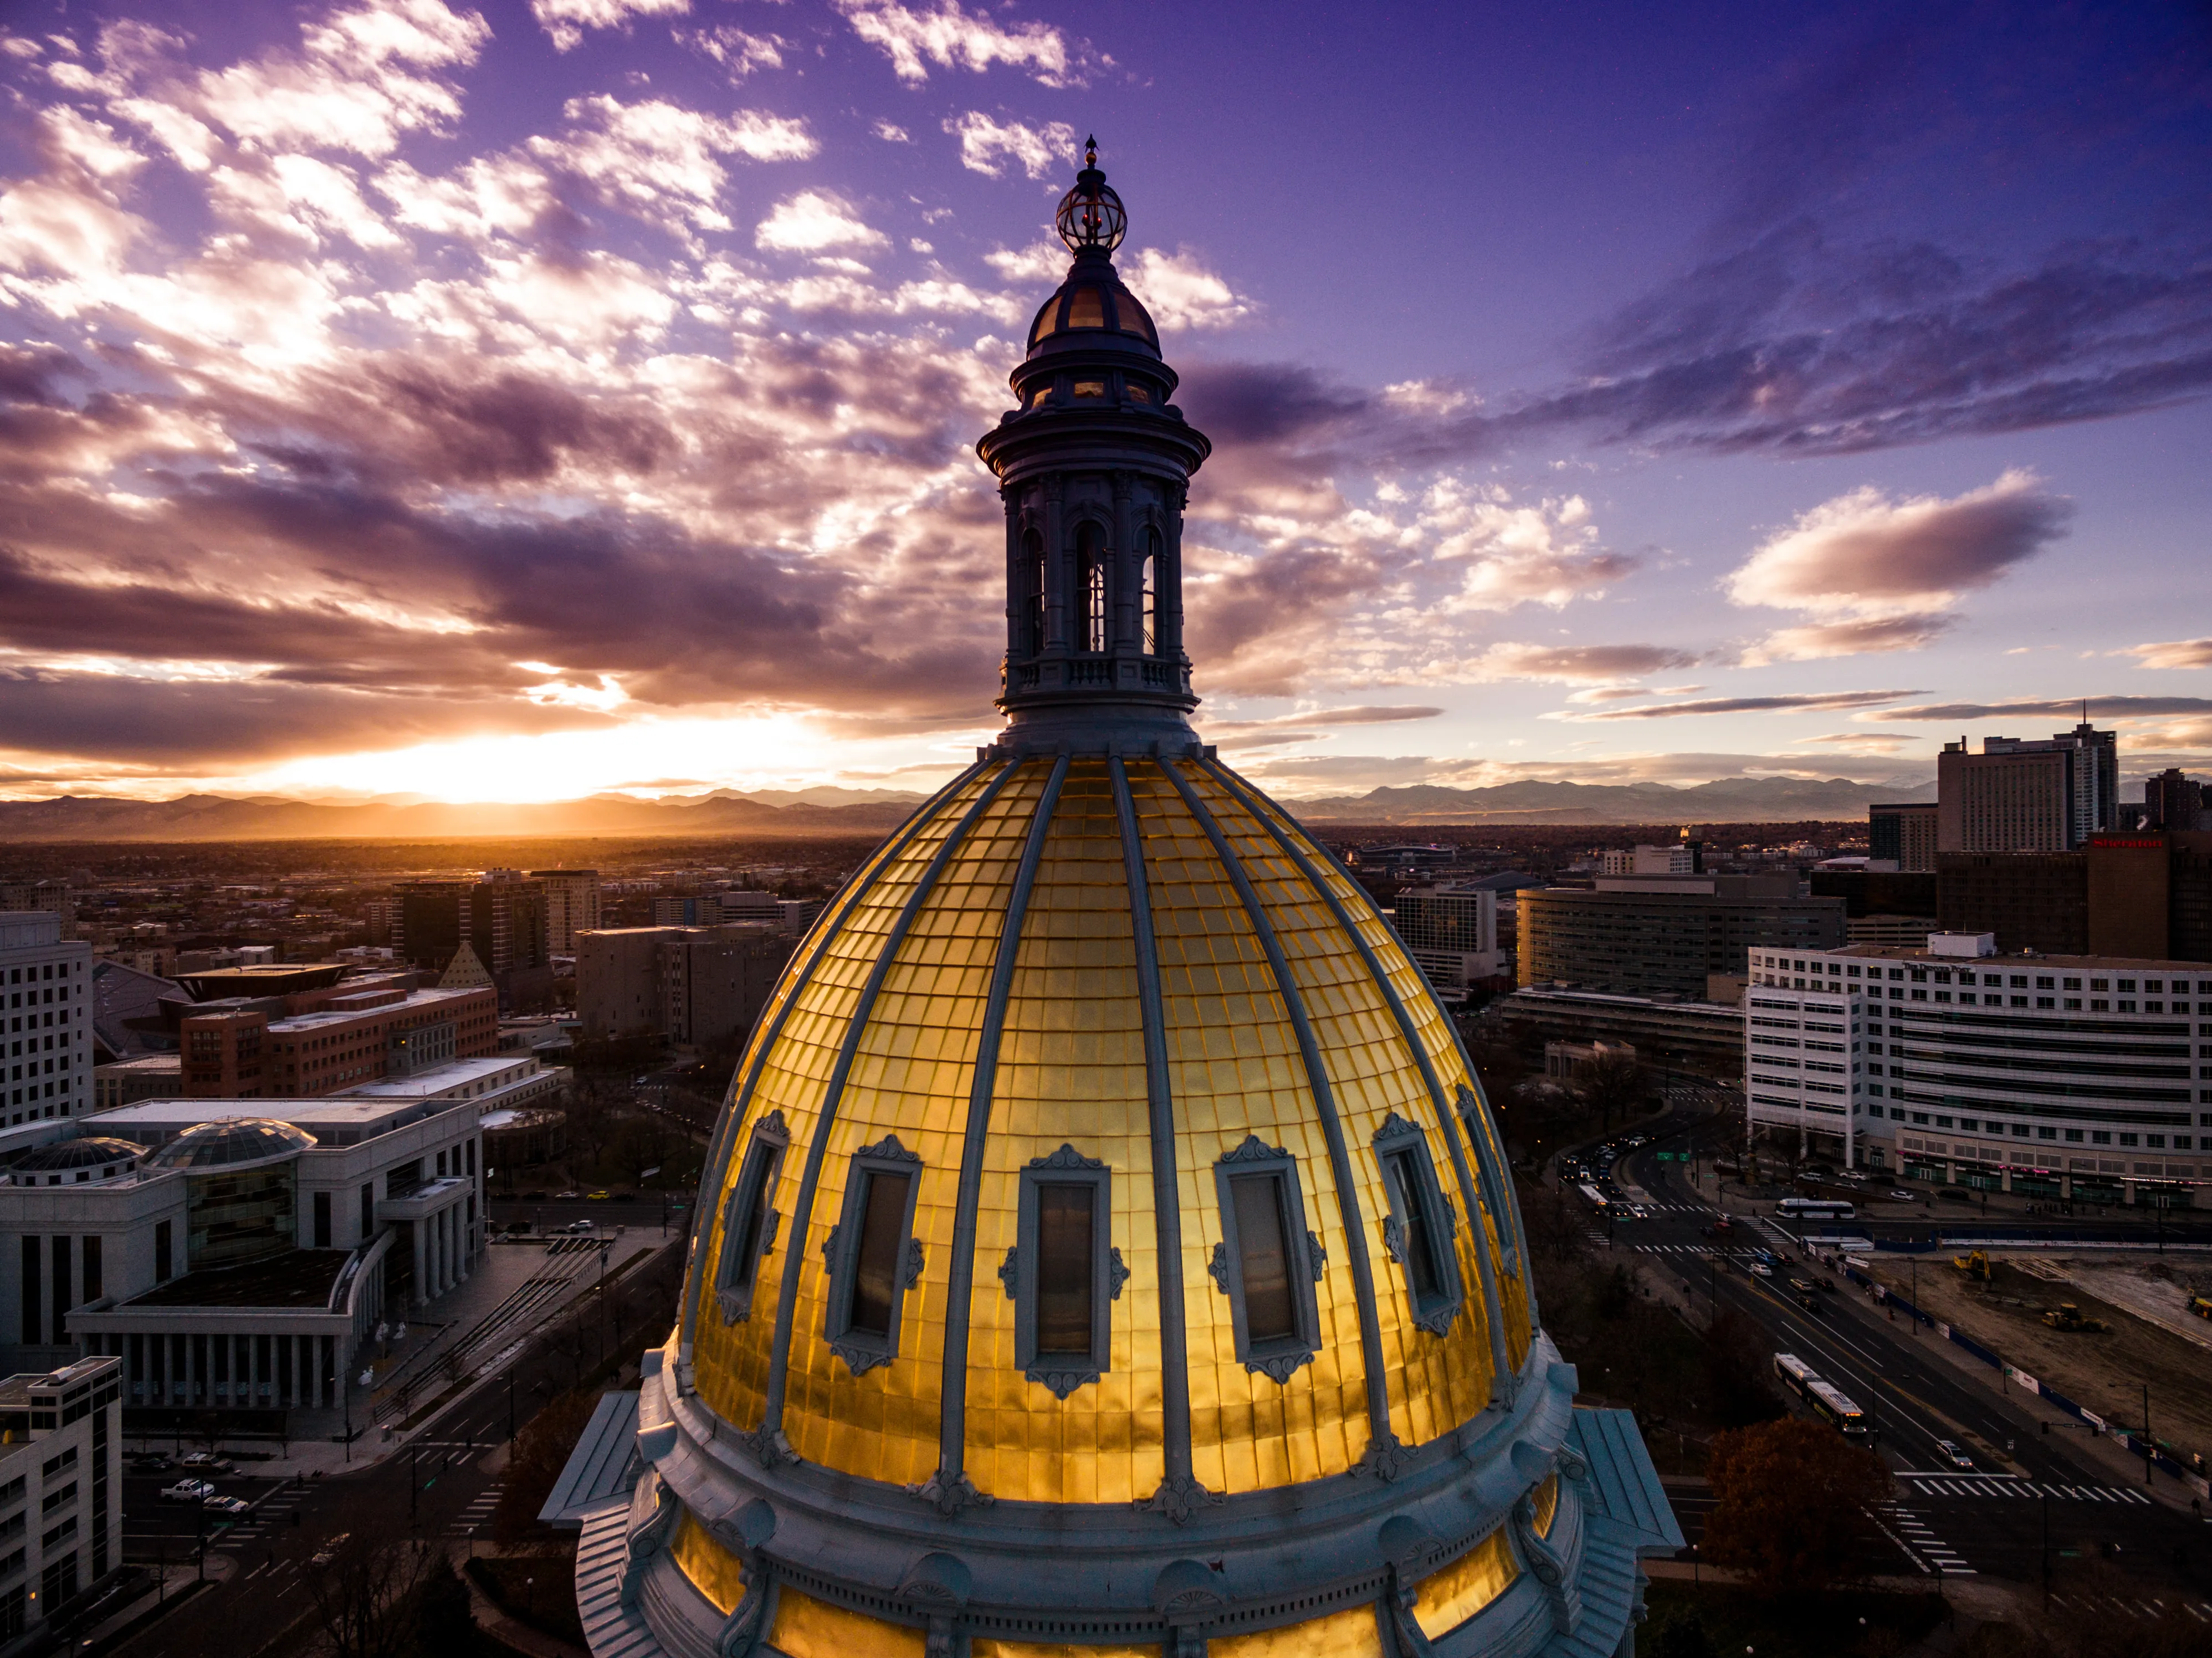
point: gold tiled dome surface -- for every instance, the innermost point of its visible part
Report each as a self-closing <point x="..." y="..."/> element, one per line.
<point x="1071" y="1070"/>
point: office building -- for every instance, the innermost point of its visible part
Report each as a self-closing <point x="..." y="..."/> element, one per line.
<point x="2067" y="1076"/>
<point x="336" y="1039"/>
<point x="698" y="987"/>
<point x="52" y="898"/>
<point x="2173" y="801"/>
<point x="1704" y="1035"/>
<point x="503" y="921"/>
<point x="2026" y="796"/>
<point x="1684" y="859"/>
<point x="2029" y="899"/>
<point x="1904" y="836"/>
<point x="148" y="1076"/>
<point x="2138" y="894"/>
<point x="1451" y="933"/>
<point x="1661" y="935"/>
<point x="61" y="1491"/>
<point x="572" y="906"/>
<point x="235" y="1253"/>
<point x="46" y="1019"/>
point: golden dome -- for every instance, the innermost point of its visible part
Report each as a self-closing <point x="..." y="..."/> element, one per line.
<point x="1002" y="930"/>
<point x="1105" y="1247"/>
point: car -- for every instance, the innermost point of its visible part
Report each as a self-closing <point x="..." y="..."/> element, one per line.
<point x="1809" y="1300"/>
<point x="148" y="1462"/>
<point x="187" y="1491"/>
<point x="1759" y="1269"/>
<point x="1802" y="1286"/>
<point x="202" y="1460"/>
<point x="1825" y="1283"/>
<point x="329" y="1552"/>
<point x="560" y="1197"/>
<point x="1898" y="1194"/>
<point x="1637" y="1211"/>
<point x="227" y="1506"/>
<point x="1949" y="1451"/>
<point x="580" y="1226"/>
<point x="598" y="1197"/>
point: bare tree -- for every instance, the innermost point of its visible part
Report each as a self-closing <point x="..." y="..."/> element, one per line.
<point x="1613" y="1082"/>
<point x="364" y="1602"/>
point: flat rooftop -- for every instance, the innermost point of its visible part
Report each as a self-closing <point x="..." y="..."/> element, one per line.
<point x="307" y="1024"/>
<point x="296" y="1279"/>
<point x="449" y="1078"/>
<point x="1921" y="954"/>
<point x="361" y="1117"/>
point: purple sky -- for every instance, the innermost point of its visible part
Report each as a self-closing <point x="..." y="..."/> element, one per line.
<point x="569" y="395"/>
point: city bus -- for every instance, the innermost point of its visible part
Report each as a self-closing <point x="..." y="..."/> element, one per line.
<point x="1835" y="1408"/>
<point x="1815" y="1208"/>
<point x="1795" y="1373"/>
<point x="1596" y="1198"/>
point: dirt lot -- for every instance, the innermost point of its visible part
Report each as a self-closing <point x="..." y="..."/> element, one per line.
<point x="2104" y="1372"/>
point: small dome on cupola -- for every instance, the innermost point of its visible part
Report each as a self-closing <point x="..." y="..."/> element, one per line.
<point x="1092" y="300"/>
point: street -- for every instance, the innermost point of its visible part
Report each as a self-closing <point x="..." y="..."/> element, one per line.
<point x="435" y="1487"/>
<point x="2032" y="1495"/>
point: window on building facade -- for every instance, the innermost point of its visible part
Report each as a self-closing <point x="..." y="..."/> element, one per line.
<point x="873" y="1257"/>
<point x="749" y="1220"/>
<point x="1267" y="1261"/>
<point x="1063" y="1270"/>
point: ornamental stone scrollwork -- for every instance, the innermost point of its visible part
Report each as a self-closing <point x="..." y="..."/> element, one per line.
<point x="861" y="1357"/>
<point x="1552" y="1573"/>
<point x="1066" y="1157"/>
<point x="914" y="1258"/>
<point x="1256" y="1150"/>
<point x="1217" y="1268"/>
<point x="1062" y="1382"/>
<point x="1386" y="1457"/>
<point x="1117" y="1272"/>
<point x="1394" y="1239"/>
<point x="1179" y="1497"/>
<point x="1316" y="1255"/>
<point x="1280" y="1368"/>
<point x="1010" y="1274"/>
<point x="766" y="1446"/>
<point x="1190" y="1596"/>
<point x="950" y="1496"/>
<point x="652" y="1514"/>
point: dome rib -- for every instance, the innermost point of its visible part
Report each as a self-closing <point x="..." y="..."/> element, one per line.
<point x="1385" y="1451"/>
<point x="767" y="1031"/>
<point x="1493" y="1300"/>
<point x="767" y="1439"/>
<point x="1179" y="1492"/>
<point x="953" y="1489"/>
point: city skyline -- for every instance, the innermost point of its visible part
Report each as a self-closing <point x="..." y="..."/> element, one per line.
<point x="524" y="401"/>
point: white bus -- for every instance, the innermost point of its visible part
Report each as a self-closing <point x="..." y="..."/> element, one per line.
<point x="1835" y="1408"/>
<point x="1815" y="1208"/>
<point x="1796" y="1374"/>
<point x="1596" y="1198"/>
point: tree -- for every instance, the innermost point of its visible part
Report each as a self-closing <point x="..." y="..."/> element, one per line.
<point x="541" y="1450"/>
<point x="365" y="1603"/>
<point x="1613" y="1081"/>
<point x="1793" y="1505"/>
<point x="1683" y="1636"/>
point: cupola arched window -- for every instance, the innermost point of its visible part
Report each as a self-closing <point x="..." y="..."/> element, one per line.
<point x="1151" y="590"/>
<point x="1063" y="1270"/>
<point x="1032" y="641"/>
<point x="1090" y="560"/>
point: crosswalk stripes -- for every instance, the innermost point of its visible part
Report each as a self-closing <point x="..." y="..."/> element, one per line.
<point x="478" y="1512"/>
<point x="1922" y="1541"/>
<point x="2010" y="1485"/>
<point x="2146" y="1610"/>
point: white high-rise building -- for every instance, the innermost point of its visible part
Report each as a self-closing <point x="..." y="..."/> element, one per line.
<point x="46" y="1019"/>
<point x="2054" y="1077"/>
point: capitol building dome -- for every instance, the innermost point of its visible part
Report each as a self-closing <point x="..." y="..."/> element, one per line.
<point x="1105" y="1248"/>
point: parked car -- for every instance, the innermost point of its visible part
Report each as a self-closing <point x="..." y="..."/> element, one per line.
<point x="227" y="1505"/>
<point x="1949" y="1451"/>
<point x="205" y="1461"/>
<point x="1898" y="1194"/>
<point x="329" y="1552"/>
<point x="187" y="1491"/>
<point x="580" y="1226"/>
<point x="559" y="1197"/>
<point x="598" y="1197"/>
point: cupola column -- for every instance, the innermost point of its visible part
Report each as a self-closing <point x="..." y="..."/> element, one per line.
<point x="1058" y="558"/>
<point x="1124" y="641"/>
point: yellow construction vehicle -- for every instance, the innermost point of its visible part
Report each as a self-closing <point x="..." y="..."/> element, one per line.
<point x="2067" y="1316"/>
<point x="1975" y="1265"/>
<point x="2201" y="1305"/>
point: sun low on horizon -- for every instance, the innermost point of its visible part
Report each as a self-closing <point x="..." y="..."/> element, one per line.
<point x="525" y="401"/>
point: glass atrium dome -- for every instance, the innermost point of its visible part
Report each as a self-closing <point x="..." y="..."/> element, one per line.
<point x="233" y="1142"/>
<point x="1105" y="1247"/>
<point x="64" y="1162"/>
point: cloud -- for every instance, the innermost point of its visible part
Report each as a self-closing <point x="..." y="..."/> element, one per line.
<point x="737" y="52"/>
<point x="1579" y="664"/>
<point x="1880" y="574"/>
<point x="1787" y="704"/>
<point x="2101" y="707"/>
<point x="816" y="222"/>
<point x="565" y="20"/>
<point x="1182" y="293"/>
<point x="1382" y="715"/>
<point x="2173" y="653"/>
<point x="985" y="145"/>
<point x="659" y="160"/>
<point x="952" y="39"/>
<point x="891" y="132"/>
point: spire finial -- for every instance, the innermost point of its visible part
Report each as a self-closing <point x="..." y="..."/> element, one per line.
<point x="1091" y="151"/>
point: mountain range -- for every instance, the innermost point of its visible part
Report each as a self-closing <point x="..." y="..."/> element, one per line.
<point x="866" y="811"/>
